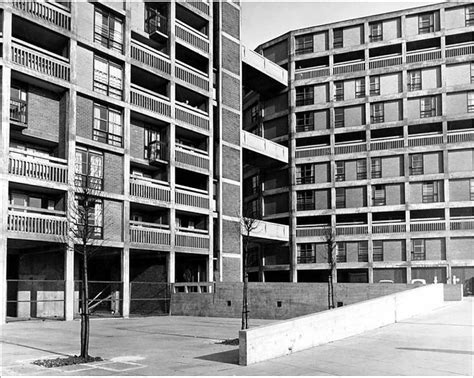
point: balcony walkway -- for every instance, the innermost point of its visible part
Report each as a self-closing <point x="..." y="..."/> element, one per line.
<point x="436" y="344"/>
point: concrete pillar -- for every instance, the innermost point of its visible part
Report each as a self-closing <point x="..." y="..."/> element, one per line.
<point x="126" y="282"/>
<point x="170" y="263"/>
<point x="69" y="282"/>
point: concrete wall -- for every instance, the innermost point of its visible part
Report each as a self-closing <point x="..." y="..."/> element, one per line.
<point x="321" y="93"/>
<point x="458" y="74"/>
<point x="394" y="194"/>
<point x="320" y="41"/>
<point x="287" y="337"/>
<point x="277" y="52"/>
<point x="392" y="111"/>
<point x="456" y="104"/>
<point x="431" y="78"/>
<point x="394" y="250"/>
<point x="321" y="120"/>
<point x="461" y="248"/>
<point x="356" y="197"/>
<point x="322" y="199"/>
<point x="321" y="173"/>
<point x="392" y="166"/>
<point x="353" y="36"/>
<point x="390" y="84"/>
<point x="433" y="163"/>
<point x="354" y="116"/>
<point x="391" y="29"/>
<point x="454" y="18"/>
<point x="460" y="190"/>
<point x="461" y="161"/>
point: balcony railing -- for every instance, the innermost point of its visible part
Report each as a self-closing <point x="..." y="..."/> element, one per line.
<point x="150" y="58"/>
<point x="460" y="137"/>
<point x="191" y="37"/>
<point x="385" y="62"/>
<point x="461" y="224"/>
<point x="304" y="232"/>
<point x="39" y="60"/>
<point x="312" y="73"/>
<point x="428" y="226"/>
<point x="202" y="6"/>
<point x="313" y="151"/>
<point x="192" y="116"/>
<point x="352" y="230"/>
<point x="45" y="11"/>
<point x="192" y="76"/>
<point x="425" y="140"/>
<point x="149" y="101"/>
<point x="348" y="68"/>
<point x="388" y="228"/>
<point x="149" y="233"/>
<point x="37" y="223"/>
<point x="149" y="189"/>
<point x="192" y="239"/>
<point x="459" y="51"/>
<point x="386" y="145"/>
<point x="26" y="164"/>
<point x="157" y="152"/>
<point x="350" y="148"/>
<point x="192" y="197"/>
<point x="191" y="157"/>
<point x="156" y="23"/>
<point x="423" y="56"/>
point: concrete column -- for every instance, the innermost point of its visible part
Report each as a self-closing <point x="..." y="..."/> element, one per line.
<point x="126" y="282"/>
<point x="170" y="263"/>
<point x="69" y="282"/>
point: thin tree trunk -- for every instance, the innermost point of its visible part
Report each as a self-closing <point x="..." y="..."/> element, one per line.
<point x="85" y="307"/>
<point x="245" y="309"/>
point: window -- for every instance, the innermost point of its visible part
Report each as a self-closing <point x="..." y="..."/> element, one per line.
<point x="376" y="168"/>
<point x="339" y="91"/>
<point x="304" y="96"/>
<point x="90" y="211"/>
<point x="414" y="80"/>
<point x="377" y="252"/>
<point x="341" y="255"/>
<point x="155" y="21"/>
<point x="363" y="252"/>
<point x="252" y="185"/>
<point x="339" y="117"/>
<point x="376" y="32"/>
<point x="340" y="198"/>
<point x="470" y="15"/>
<point x="418" y="249"/>
<point x="154" y="148"/>
<point x="305" y="200"/>
<point x="470" y="102"/>
<point x="89" y="169"/>
<point x="430" y="192"/>
<point x="254" y="209"/>
<point x="375" y="85"/>
<point x="304" y="44"/>
<point x="377" y="113"/>
<point x="360" y="88"/>
<point x="340" y="171"/>
<point x="361" y="168"/>
<point x="426" y="23"/>
<point x="306" y="253"/>
<point x="28" y="202"/>
<point x="428" y="107"/>
<point x="18" y="104"/>
<point x="107" y="78"/>
<point x="108" y="30"/>
<point x="338" y="38"/>
<point x="416" y="164"/>
<point x="107" y="125"/>
<point x="255" y="113"/>
<point x="304" y="174"/>
<point x="378" y="195"/>
<point x="304" y="122"/>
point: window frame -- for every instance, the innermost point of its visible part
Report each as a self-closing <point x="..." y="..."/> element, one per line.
<point x="306" y="46"/>
<point x="426" y="26"/>
<point x="341" y="252"/>
<point x="338" y="38"/>
<point x="306" y="253"/>
<point x="377" y="250"/>
<point x="304" y="174"/>
<point x="86" y="179"/>
<point x="430" y="192"/>
<point x="305" y="200"/>
<point x="418" y="249"/>
<point x="22" y="104"/>
<point x="376" y="31"/>
<point x="107" y="88"/>
<point x="377" y="112"/>
<point x="414" y="82"/>
<point x="338" y="91"/>
<point x="361" y="169"/>
<point x="416" y="164"/>
<point x="98" y="228"/>
<point x="359" y="87"/>
<point x="470" y="102"/>
<point x="469" y="15"/>
<point x="108" y="38"/>
<point x="304" y="121"/>
<point x="379" y="195"/>
<point x="376" y="167"/>
<point x="340" y="170"/>
<point x="362" y="251"/>
<point x="339" y="117"/>
<point x="340" y="198"/>
<point x="375" y="85"/>
<point x="109" y="136"/>
<point x="305" y="95"/>
<point x="428" y="107"/>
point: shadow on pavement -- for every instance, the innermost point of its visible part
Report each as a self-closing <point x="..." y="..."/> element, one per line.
<point x="440" y="350"/>
<point x="228" y="357"/>
<point x="31" y="347"/>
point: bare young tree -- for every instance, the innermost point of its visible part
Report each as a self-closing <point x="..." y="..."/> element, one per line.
<point x="248" y="223"/>
<point x="330" y="236"/>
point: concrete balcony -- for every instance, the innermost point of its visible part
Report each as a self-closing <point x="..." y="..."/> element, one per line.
<point x="271" y="231"/>
<point x="388" y="228"/>
<point x="428" y="226"/>
<point x="461" y="224"/>
<point x="192" y="117"/>
<point x="45" y="11"/>
<point x="191" y="197"/>
<point x="312" y="73"/>
<point x="192" y="238"/>
<point x="424" y="56"/>
<point x="150" y="58"/>
<point x="20" y="222"/>
<point x="361" y="229"/>
<point x="190" y="158"/>
<point x="460" y="50"/>
<point x="348" y="68"/>
<point x="190" y="37"/>
<point x="149" y="233"/>
<point x="39" y="60"/>
<point x="425" y="140"/>
<point x="350" y="148"/>
<point x="385" y="62"/>
<point x="461" y="137"/>
<point x="44" y="168"/>
<point x="386" y="144"/>
<point x="202" y="6"/>
<point x="148" y="189"/>
<point x="264" y="147"/>
<point x="192" y="76"/>
<point x="311" y="231"/>
<point x="147" y="100"/>
<point x="313" y="151"/>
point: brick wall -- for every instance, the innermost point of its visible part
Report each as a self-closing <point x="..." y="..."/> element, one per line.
<point x="85" y="67"/>
<point x="230" y="56"/>
<point x="295" y="299"/>
<point x="137" y="140"/>
<point x="84" y="116"/>
<point x="230" y="273"/>
<point x="231" y="199"/>
<point x="113" y="173"/>
<point x="230" y="127"/>
<point x="113" y="220"/>
<point x="230" y="20"/>
<point x="231" y="237"/>
<point x="231" y="86"/>
<point x="231" y="163"/>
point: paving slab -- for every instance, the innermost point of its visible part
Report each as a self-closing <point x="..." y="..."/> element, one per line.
<point x="439" y="343"/>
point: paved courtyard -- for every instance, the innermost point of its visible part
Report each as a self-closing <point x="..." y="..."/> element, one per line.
<point x="440" y="343"/>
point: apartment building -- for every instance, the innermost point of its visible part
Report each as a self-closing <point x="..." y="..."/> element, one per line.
<point x="141" y="103"/>
<point x="378" y="119"/>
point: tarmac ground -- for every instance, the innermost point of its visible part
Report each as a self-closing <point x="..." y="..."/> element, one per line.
<point x="439" y="343"/>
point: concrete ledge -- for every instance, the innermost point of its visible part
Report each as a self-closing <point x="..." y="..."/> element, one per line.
<point x="289" y="336"/>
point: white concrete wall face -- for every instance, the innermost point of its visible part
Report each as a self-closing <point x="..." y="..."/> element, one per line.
<point x="290" y="336"/>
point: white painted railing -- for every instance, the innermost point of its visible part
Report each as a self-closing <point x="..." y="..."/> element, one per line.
<point x="352" y="230"/>
<point x="39" y="60"/>
<point x="312" y="151"/>
<point x="388" y="228"/>
<point x="350" y="148"/>
<point x="312" y="73"/>
<point x="461" y="224"/>
<point x="192" y="240"/>
<point x="37" y="223"/>
<point x="150" y="58"/>
<point x="147" y="100"/>
<point x="423" y="56"/>
<point x="22" y="163"/>
<point x="192" y="117"/>
<point x="348" y="68"/>
<point x="149" y="189"/>
<point x="425" y="140"/>
<point x="191" y="76"/>
<point x="191" y="37"/>
<point x="45" y="11"/>
<point x="149" y="233"/>
<point x="202" y="6"/>
<point x="385" y="62"/>
<point x="460" y="137"/>
<point x="305" y="232"/>
<point x="188" y="156"/>
<point x="459" y="51"/>
<point x="428" y="226"/>
<point x="386" y="145"/>
<point x="192" y="198"/>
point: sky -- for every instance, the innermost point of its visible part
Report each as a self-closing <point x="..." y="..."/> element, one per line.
<point x="265" y="20"/>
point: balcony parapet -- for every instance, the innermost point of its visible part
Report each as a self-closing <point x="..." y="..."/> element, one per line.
<point x="425" y="140"/>
<point x="39" y="60"/>
<point x="150" y="101"/>
<point x="191" y="76"/>
<point x="192" y="239"/>
<point x="191" y="157"/>
<point x="191" y="37"/>
<point x="461" y="224"/>
<point x="191" y="197"/>
<point x="202" y="6"/>
<point x="385" y="62"/>
<point x="264" y="146"/>
<point x="150" y="58"/>
<point x="270" y="230"/>
<point x="429" y="226"/>
<point x="313" y="151"/>
<point x="348" y="68"/>
<point x="415" y="57"/>
<point x="311" y="231"/>
<point x="461" y="137"/>
<point x="193" y="117"/>
<point x="149" y="233"/>
<point x="362" y="229"/>
<point x="26" y="164"/>
<point x="264" y="65"/>
<point x="387" y="144"/>
<point x="388" y="228"/>
<point x="350" y="148"/>
<point x="45" y="11"/>
<point x="36" y="223"/>
<point x="460" y="50"/>
<point x="149" y="189"/>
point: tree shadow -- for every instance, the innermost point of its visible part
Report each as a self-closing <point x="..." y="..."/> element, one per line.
<point x="227" y="357"/>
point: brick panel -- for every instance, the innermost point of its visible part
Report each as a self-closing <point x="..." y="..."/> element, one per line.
<point x="137" y="141"/>
<point x="85" y="67"/>
<point x="84" y="116"/>
<point x="230" y="269"/>
<point x="231" y="163"/>
<point x="230" y="127"/>
<point x="231" y="87"/>
<point x="230" y="56"/>
<point x="113" y="173"/>
<point x="231" y="199"/>
<point x="231" y="236"/>
<point x="113" y="216"/>
<point x="230" y="20"/>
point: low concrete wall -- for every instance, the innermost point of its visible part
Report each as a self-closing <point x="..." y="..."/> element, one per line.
<point x="286" y="337"/>
<point x="453" y="292"/>
<point x="269" y="300"/>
